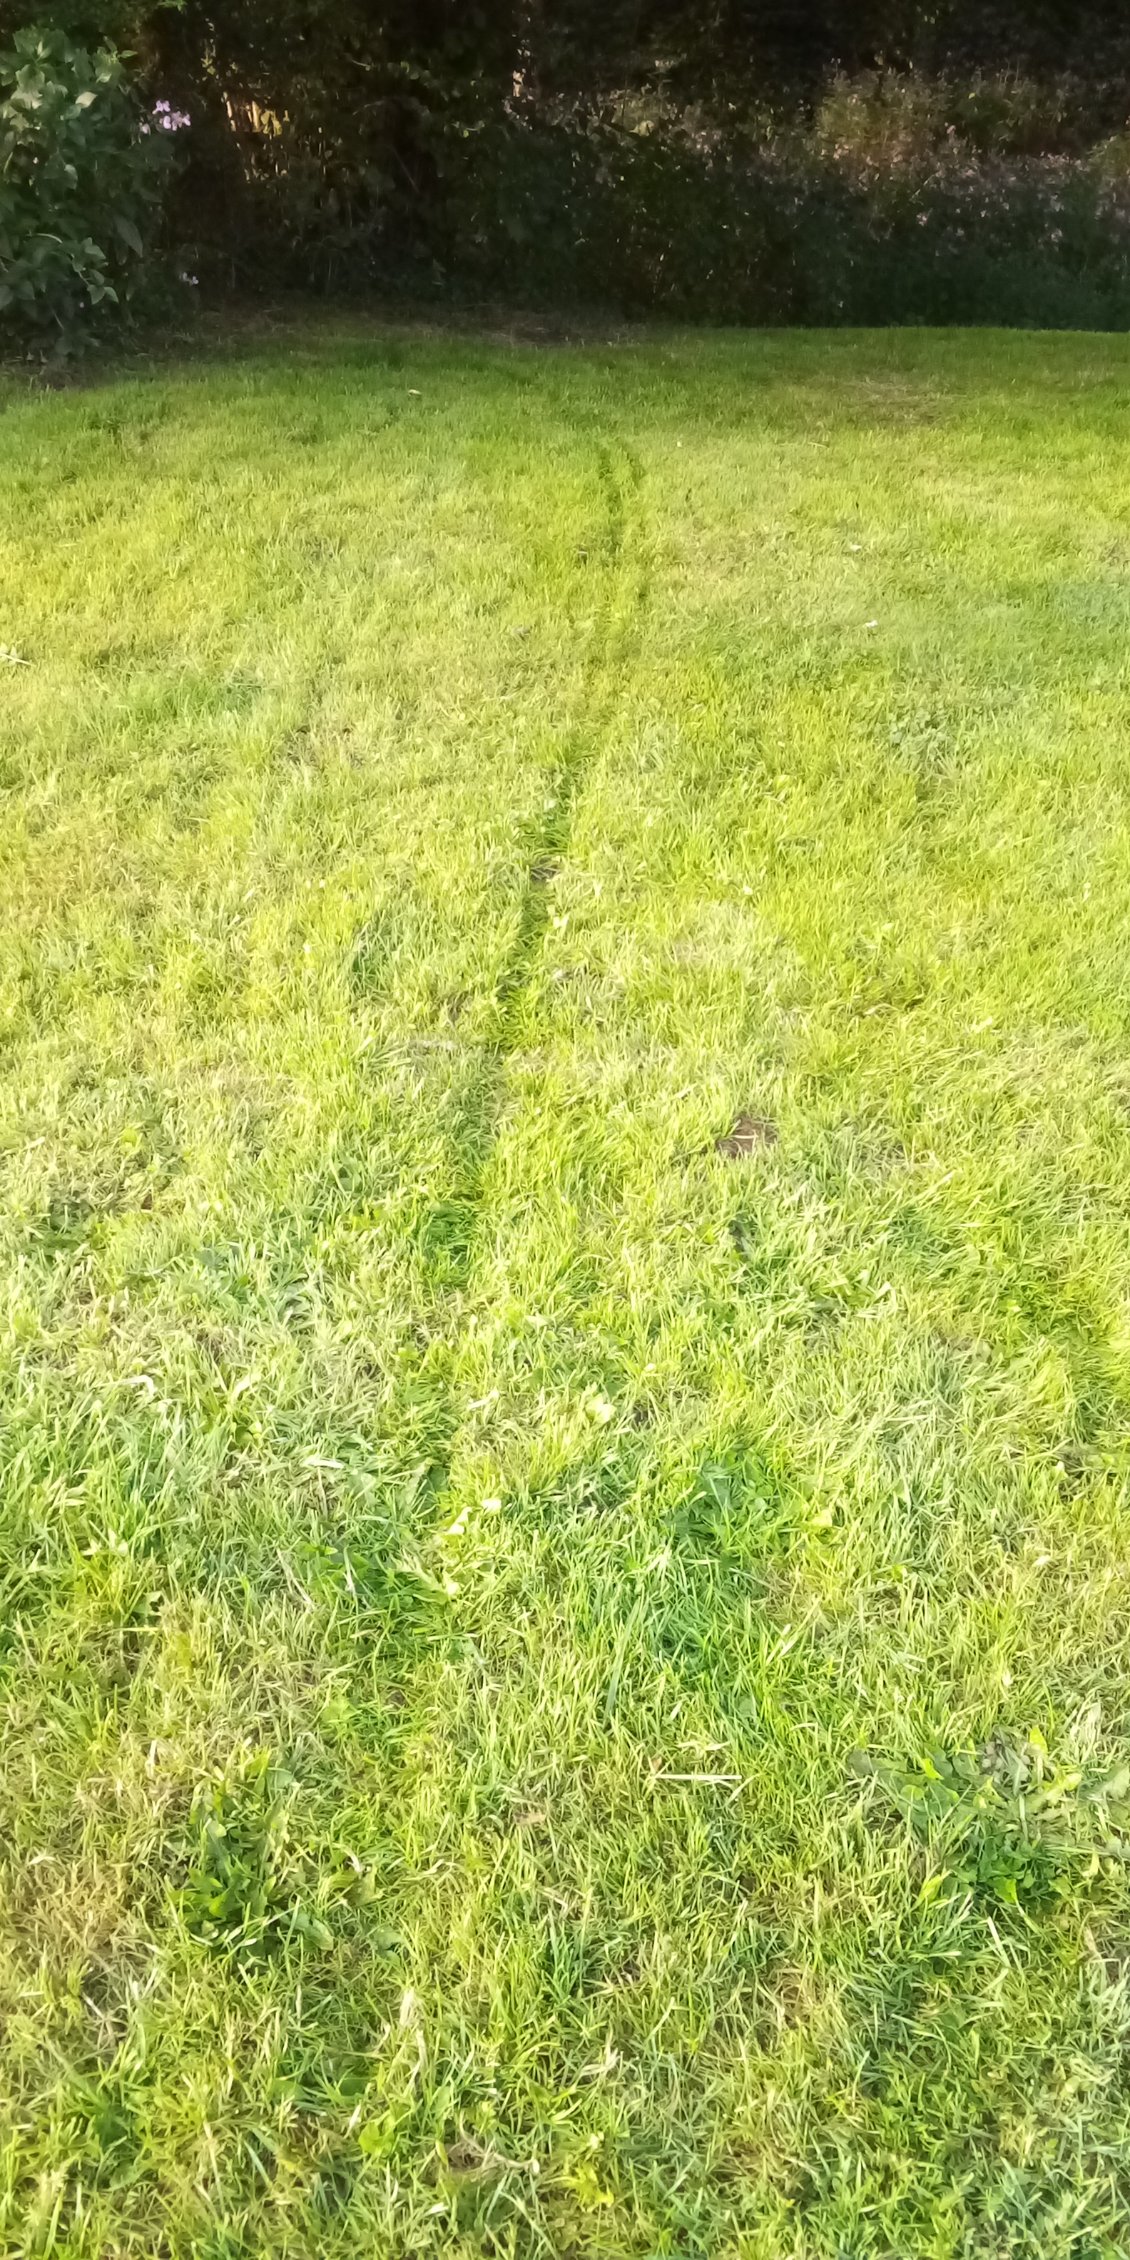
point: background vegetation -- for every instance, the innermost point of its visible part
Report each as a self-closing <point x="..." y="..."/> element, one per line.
<point x="751" y="161"/>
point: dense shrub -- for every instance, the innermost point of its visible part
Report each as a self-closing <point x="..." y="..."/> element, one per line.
<point x="788" y="232"/>
<point x="897" y="200"/>
<point x="81" y="170"/>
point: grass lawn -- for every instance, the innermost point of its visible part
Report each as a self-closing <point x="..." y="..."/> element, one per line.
<point x="565" y="1348"/>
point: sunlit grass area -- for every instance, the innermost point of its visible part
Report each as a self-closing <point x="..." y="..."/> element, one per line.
<point x="565" y="1254"/>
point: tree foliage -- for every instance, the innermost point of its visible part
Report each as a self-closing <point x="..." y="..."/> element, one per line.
<point x="79" y="187"/>
<point x="609" y="147"/>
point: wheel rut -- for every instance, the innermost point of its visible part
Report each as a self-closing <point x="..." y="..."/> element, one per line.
<point x="617" y="629"/>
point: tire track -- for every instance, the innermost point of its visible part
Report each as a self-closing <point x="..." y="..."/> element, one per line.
<point x="451" y="1230"/>
<point x="403" y="1624"/>
<point x="397" y="1607"/>
<point x="615" y="638"/>
<point x="454" y="1229"/>
<point x="614" y="641"/>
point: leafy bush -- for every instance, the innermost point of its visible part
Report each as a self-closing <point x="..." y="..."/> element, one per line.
<point x="80" y="189"/>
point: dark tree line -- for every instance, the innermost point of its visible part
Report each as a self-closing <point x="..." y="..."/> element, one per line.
<point x="699" y="50"/>
<point x="330" y="140"/>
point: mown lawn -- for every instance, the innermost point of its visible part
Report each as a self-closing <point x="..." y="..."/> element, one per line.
<point x="566" y="1685"/>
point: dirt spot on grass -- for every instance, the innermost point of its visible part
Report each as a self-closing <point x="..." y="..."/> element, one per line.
<point x="464" y="2156"/>
<point x="465" y="2159"/>
<point x="751" y="1134"/>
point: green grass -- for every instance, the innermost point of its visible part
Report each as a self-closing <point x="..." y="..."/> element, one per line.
<point x="563" y="1691"/>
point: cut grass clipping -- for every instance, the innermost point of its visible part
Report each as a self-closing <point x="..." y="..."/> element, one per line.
<point x="565" y="1125"/>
